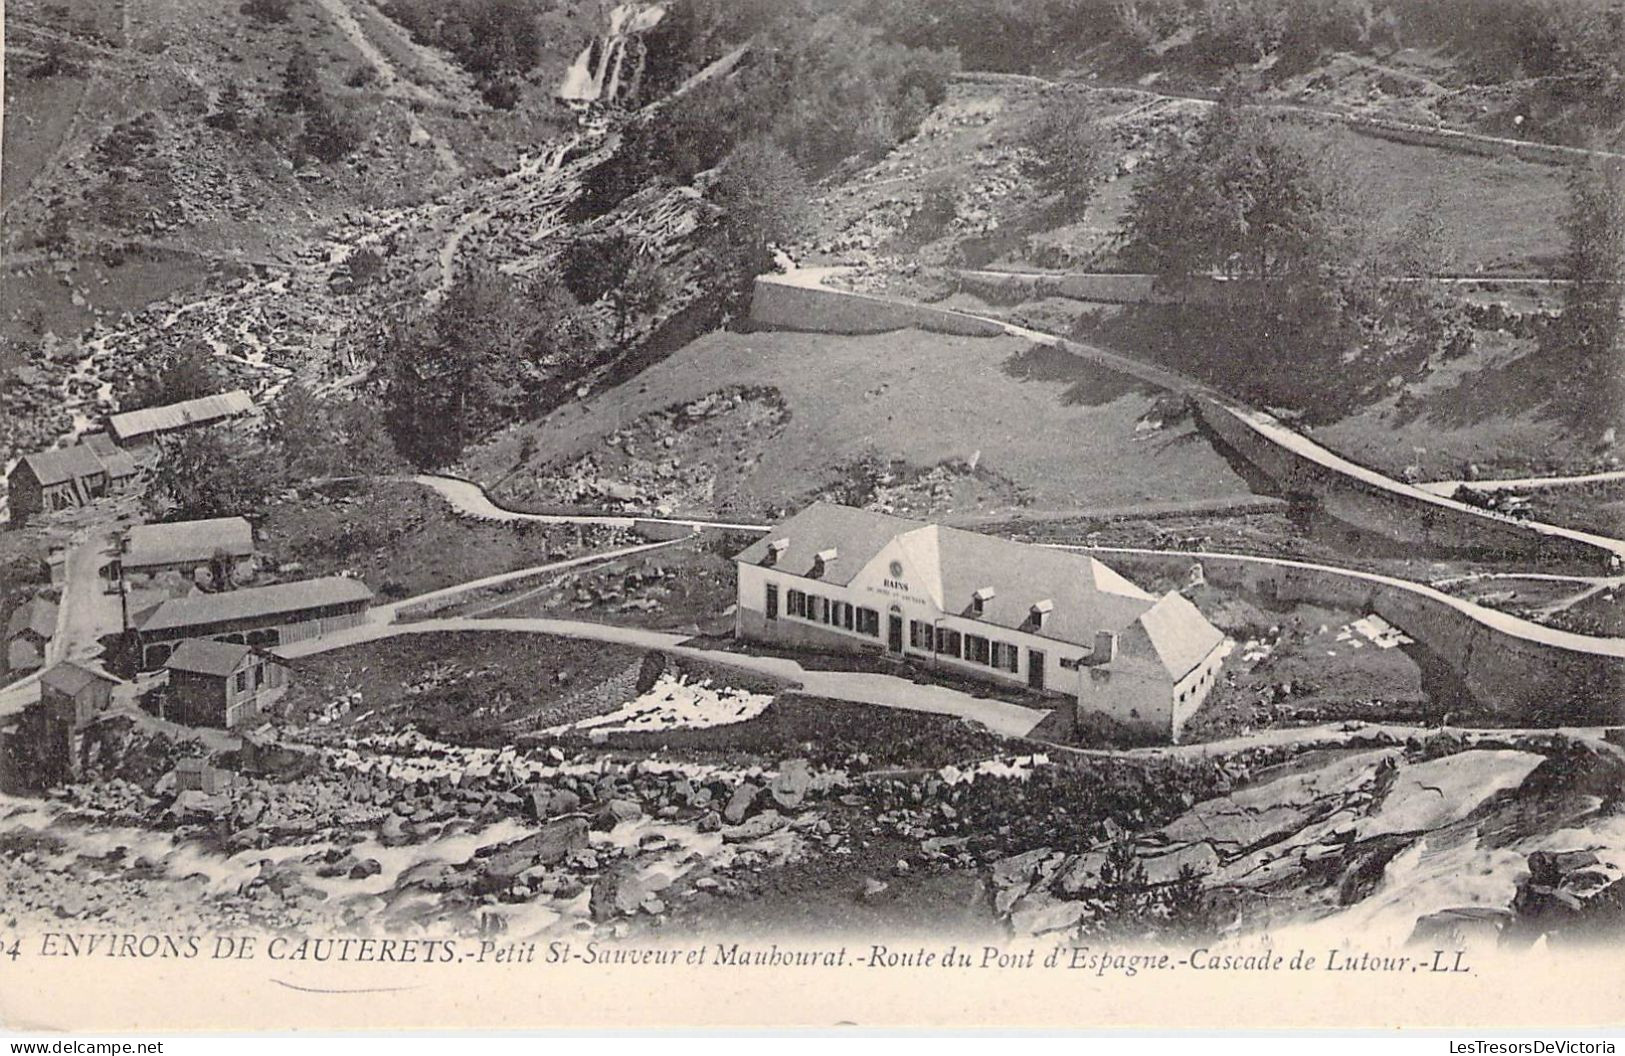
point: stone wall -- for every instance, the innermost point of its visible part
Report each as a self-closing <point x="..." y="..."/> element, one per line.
<point x="1530" y="673"/>
<point x="1366" y="500"/>
<point x="782" y="306"/>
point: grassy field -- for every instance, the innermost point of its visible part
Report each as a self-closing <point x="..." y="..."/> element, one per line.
<point x="683" y="588"/>
<point x="404" y="541"/>
<point x="1060" y="430"/>
<point x="464" y="687"/>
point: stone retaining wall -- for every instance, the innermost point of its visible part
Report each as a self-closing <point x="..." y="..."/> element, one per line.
<point x="782" y="306"/>
<point x="1388" y="508"/>
<point x="1536" y="682"/>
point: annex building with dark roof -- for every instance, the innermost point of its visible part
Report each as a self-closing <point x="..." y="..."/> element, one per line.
<point x="835" y="578"/>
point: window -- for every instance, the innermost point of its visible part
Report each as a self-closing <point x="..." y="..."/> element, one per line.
<point x="823" y="610"/>
<point x="848" y="616"/>
<point x="1006" y="656"/>
<point x="977" y="649"/>
<point x="947" y="641"/>
<point x="772" y="601"/>
<point x="796" y="603"/>
<point x="242" y="681"/>
<point x="919" y="635"/>
<point x="869" y="622"/>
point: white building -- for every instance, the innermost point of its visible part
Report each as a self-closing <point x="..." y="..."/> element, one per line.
<point x="841" y="579"/>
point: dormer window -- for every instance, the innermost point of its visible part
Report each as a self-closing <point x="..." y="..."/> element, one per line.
<point x="775" y="550"/>
<point x="979" y="600"/>
<point x="823" y="560"/>
<point x="1041" y="611"/>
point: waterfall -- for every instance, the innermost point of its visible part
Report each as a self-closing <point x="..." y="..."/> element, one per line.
<point x="606" y="81"/>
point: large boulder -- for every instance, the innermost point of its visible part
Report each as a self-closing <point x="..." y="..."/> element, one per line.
<point x="763" y="824"/>
<point x="790" y="786"/>
<point x="614" y="812"/>
<point x="556" y="842"/>
<point x="741" y="803"/>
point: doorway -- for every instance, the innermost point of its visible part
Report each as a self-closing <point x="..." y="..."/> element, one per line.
<point x="894" y="633"/>
<point x="1035" y="669"/>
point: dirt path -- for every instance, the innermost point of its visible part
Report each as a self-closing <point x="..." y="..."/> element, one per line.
<point x="1355" y="122"/>
<point x="469" y="499"/>
<point x="1448" y="487"/>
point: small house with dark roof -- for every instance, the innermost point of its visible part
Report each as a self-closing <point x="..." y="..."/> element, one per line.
<point x="221" y="684"/>
<point x="259" y="616"/>
<point x="74" y="695"/>
<point x="29" y="630"/>
<point x="47" y="743"/>
<point x="185" y="546"/>
<point x="64" y="477"/>
<point x="1054" y="621"/>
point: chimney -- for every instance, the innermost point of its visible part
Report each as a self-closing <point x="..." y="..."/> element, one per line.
<point x="823" y="559"/>
<point x="1105" y="647"/>
<point x="979" y="600"/>
<point x="775" y="550"/>
<point x="1042" y="609"/>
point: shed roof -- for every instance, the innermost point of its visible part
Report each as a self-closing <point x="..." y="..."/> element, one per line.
<point x="70" y="678"/>
<point x="194" y="542"/>
<point x="1085" y="595"/>
<point x="62" y="464"/>
<point x="132" y="425"/>
<point x="204" y="656"/>
<point x="280" y="598"/>
<point x="37" y="615"/>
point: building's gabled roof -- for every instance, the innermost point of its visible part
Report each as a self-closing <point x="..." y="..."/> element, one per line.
<point x="187" y="542"/>
<point x="1180" y="633"/>
<point x="100" y="443"/>
<point x="1084" y="595"/>
<point x="133" y="425"/>
<point x="63" y="464"/>
<point x="69" y="677"/>
<point x="37" y="615"/>
<point x="203" y="656"/>
<point x="196" y="610"/>
<point x="856" y="534"/>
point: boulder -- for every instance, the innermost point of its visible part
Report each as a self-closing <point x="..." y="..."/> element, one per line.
<point x="763" y="824"/>
<point x="741" y="803"/>
<point x="557" y="841"/>
<point x="790" y="786"/>
<point x="364" y="868"/>
<point x="614" y="812"/>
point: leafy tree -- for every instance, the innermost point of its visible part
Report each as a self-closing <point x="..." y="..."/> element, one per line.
<point x="329" y="135"/>
<point x="212" y="472"/>
<point x="301" y="83"/>
<point x="1241" y="199"/>
<point x="268" y="10"/>
<point x="1067" y="153"/>
<point x="315" y="437"/>
<point x="491" y="347"/>
<point x="764" y="201"/>
<point x="616" y="267"/>
<point x="183" y="374"/>
<point x="365" y="266"/>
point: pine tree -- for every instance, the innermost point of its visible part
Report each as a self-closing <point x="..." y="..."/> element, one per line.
<point x="230" y="108"/>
